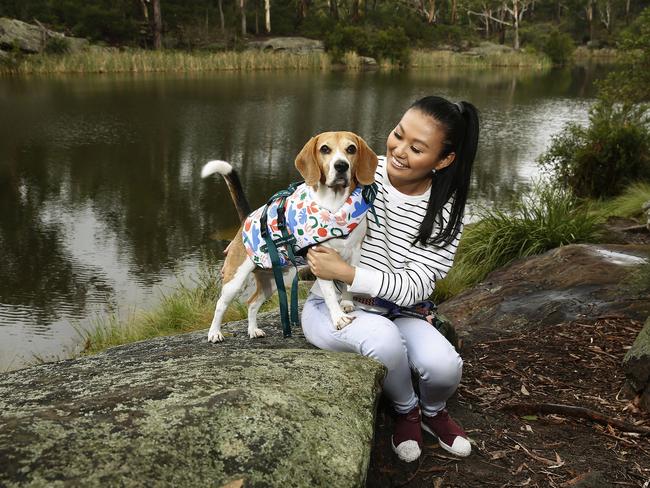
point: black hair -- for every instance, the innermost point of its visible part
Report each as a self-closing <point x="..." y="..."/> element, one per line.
<point x="460" y="123"/>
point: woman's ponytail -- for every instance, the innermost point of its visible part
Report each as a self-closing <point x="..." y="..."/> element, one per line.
<point x="460" y="121"/>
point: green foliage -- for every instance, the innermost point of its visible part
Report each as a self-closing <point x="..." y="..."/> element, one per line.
<point x="550" y="40"/>
<point x="603" y="158"/>
<point x="57" y="45"/>
<point x="559" y="47"/>
<point x="539" y="221"/>
<point x="390" y="44"/>
<point x="631" y="84"/>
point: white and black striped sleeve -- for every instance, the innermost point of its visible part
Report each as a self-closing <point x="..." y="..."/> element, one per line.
<point x="414" y="282"/>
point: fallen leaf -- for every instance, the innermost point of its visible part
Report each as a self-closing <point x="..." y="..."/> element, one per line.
<point x="524" y="391"/>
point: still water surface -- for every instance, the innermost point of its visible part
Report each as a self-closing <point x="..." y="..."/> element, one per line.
<point x="102" y="207"/>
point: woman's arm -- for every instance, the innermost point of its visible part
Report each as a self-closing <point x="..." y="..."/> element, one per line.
<point x="416" y="282"/>
<point x="327" y="264"/>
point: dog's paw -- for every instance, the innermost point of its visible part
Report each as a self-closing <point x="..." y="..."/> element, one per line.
<point x="347" y="306"/>
<point x="215" y="336"/>
<point x="256" y="333"/>
<point x="343" y="321"/>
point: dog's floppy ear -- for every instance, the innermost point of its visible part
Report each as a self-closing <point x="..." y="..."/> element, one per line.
<point x="366" y="163"/>
<point x="307" y="163"/>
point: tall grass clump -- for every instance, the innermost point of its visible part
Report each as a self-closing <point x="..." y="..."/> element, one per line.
<point x="421" y="58"/>
<point x="142" y="61"/>
<point x="187" y="308"/>
<point x="628" y="204"/>
<point x="538" y="221"/>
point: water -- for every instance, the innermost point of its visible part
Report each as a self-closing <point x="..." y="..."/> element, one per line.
<point x="102" y="207"/>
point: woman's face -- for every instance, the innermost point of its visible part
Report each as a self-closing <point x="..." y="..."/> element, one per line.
<point x="412" y="152"/>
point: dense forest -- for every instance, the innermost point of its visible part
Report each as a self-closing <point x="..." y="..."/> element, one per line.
<point x="224" y="24"/>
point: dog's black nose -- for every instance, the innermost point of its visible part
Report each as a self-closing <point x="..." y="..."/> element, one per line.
<point x="341" y="166"/>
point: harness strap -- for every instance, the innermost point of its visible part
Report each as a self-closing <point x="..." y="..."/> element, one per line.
<point x="290" y="317"/>
<point x="271" y="248"/>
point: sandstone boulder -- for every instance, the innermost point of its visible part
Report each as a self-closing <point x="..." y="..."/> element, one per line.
<point x="298" y="45"/>
<point x="564" y="284"/>
<point x="32" y="38"/>
<point x="179" y="411"/>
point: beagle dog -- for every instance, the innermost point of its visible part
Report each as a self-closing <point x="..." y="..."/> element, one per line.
<point x="333" y="165"/>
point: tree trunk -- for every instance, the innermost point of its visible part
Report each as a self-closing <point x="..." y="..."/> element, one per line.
<point x="145" y="10"/>
<point x="334" y="9"/>
<point x="432" y="12"/>
<point x="355" y="10"/>
<point x="157" y="25"/>
<point x="257" y="18"/>
<point x="453" y="12"/>
<point x="267" y="15"/>
<point x="515" y="9"/>
<point x="221" y="18"/>
<point x="589" y="11"/>
<point x="242" y="8"/>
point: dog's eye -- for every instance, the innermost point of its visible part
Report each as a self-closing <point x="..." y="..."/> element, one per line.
<point x="325" y="150"/>
<point x="351" y="149"/>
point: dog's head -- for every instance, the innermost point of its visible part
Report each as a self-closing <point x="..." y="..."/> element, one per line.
<point x="336" y="160"/>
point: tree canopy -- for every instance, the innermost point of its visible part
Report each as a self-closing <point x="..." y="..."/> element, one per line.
<point x="189" y="24"/>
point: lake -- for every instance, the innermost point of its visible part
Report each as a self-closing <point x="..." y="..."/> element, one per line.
<point x="102" y="205"/>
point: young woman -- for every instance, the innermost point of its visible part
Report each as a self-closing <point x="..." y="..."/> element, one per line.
<point x="422" y="188"/>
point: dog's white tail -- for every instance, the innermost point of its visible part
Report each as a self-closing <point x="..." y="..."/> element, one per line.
<point x="216" y="166"/>
<point x="234" y="185"/>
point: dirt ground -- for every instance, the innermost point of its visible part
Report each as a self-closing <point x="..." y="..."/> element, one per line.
<point x="576" y="364"/>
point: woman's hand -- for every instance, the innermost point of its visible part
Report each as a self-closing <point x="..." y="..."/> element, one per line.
<point x="327" y="264"/>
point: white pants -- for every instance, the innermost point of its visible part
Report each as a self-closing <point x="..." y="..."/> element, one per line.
<point x="401" y="345"/>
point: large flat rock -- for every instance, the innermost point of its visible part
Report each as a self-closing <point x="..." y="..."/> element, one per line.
<point x="564" y="284"/>
<point x="178" y="411"/>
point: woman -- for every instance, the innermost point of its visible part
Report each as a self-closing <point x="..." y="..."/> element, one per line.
<point x="422" y="188"/>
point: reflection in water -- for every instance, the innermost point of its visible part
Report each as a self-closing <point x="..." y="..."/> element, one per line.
<point x="99" y="186"/>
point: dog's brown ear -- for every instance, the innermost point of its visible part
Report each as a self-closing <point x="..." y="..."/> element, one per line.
<point x="366" y="163"/>
<point x="307" y="162"/>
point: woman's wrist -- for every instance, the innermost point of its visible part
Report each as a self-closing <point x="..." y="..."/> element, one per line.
<point x="347" y="274"/>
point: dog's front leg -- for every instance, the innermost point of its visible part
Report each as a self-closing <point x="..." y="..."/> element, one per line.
<point x="339" y="318"/>
<point x="346" y="299"/>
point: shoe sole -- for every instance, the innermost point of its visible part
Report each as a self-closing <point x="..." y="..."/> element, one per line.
<point x="446" y="447"/>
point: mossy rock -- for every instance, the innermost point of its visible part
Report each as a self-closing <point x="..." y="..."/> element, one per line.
<point x="178" y="411"/>
<point x="637" y="366"/>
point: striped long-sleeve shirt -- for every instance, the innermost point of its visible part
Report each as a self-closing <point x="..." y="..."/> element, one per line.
<point x="391" y="266"/>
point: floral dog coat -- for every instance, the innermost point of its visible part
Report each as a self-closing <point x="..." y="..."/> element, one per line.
<point x="308" y="223"/>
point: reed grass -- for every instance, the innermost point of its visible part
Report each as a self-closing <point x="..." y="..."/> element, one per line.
<point x="517" y="59"/>
<point x="98" y="60"/>
<point x="539" y="221"/>
<point x="188" y="308"/>
<point x="143" y="61"/>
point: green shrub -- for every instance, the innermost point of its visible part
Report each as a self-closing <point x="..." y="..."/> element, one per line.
<point x="548" y="39"/>
<point x="602" y="159"/>
<point x="389" y="44"/>
<point x="559" y="47"/>
<point x="538" y="221"/>
<point x="57" y="45"/>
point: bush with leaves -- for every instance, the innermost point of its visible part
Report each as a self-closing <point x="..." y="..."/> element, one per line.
<point x="388" y="44"/>
<point x="631" y="84"/>
<point x="600" y="160"/>
<point x="57" y="45"/>
<point x="559" y="47"/>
